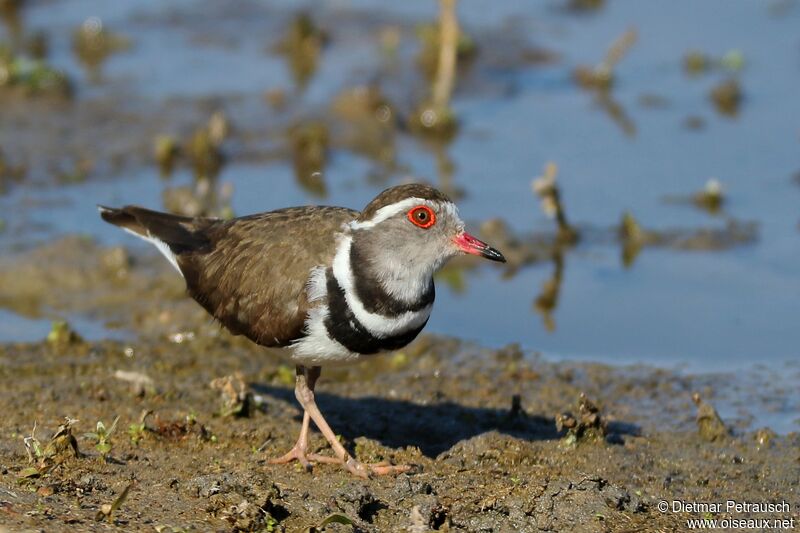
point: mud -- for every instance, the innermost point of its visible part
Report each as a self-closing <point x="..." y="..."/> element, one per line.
<point x="479" y="426"/>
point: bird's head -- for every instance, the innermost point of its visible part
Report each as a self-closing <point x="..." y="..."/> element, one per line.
<point x="408" y="232"/>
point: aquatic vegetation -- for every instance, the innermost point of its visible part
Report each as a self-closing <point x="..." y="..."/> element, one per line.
<point x="302" y="45"/>
<point x="202" y="150"/>
<point x="711" y="198"/>
<point x="733" y="60"/>
<point x="37" y="44"/>
<point x="694" y="123"/>
<point x="62" y="335"/>
<point x="10" y="173"/>
<point x="31" y="76"/>
<point x="364" y="103"/>
<point x="764" y="438"/>
<point x="519" y="250"/>
<point x="727" y="97"/>
<point x="438" y="122"/>
<point x="310" y="142"/>
<point x="367" y="123"/>
<point x="547" y="300"/>
<point x="75" y="170"/>
<point x="11" y="16"/>
<point x="727" y="94"/>
<point x="433" y="36"/>
<point x="166" y="151"/>
<point x="585" y="5"/>
<point x="434" y="117"/>
<point x="93" y="43"/>
<point x="696" y="62"/>
<point x="389" y="38"/>
<point x="549" y="192"/>
<point x="204" y="154"/>
<point x="616" y="112"/>
<point x="601" y="76"/>
<point x="276" y="98"/>
<point x="633" y="237"/>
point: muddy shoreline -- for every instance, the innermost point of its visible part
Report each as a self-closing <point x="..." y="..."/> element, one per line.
<point x="478" y="425"/>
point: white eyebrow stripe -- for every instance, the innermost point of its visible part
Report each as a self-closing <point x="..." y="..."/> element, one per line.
<point x="391" y="210"/>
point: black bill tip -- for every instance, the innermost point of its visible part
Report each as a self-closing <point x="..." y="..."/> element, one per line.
<point x="493" y="254"/>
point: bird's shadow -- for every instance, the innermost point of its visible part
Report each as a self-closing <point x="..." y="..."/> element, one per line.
<point x="432" y="428"/>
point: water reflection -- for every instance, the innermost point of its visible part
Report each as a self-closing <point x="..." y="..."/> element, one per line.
<point x="547" y="300"/>
<point x="10" y="12"/>
<point x="366" y="124"/>
<point x="93" y="44"/>
<point x="309" y="144"/>
<point x="616" y="113"/>
<point x="203" y="153"/>
<point x="302" y="46"/>
<point x="600" y="80"/>
<point x="711" y="199"/>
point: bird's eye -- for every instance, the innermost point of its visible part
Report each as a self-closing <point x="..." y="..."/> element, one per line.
<point x="422" y="216"/>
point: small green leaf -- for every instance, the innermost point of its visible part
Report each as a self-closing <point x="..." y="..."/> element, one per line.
<point x="336" y="519"/>
<point x="113" y="426"/>
<point x="106" y="510"/>
<point x="29" y="472"/>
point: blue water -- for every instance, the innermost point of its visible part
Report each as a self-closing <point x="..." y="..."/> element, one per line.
<point x="702" y="311"/>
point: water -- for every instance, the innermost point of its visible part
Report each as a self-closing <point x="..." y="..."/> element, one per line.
<point x="24" y="329"/>
<point x="693" y="310"/>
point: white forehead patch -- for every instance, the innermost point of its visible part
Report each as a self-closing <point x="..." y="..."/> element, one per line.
<point x="402" y="206"/>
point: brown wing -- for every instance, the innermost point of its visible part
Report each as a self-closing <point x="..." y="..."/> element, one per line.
<point x="252" y="274"/>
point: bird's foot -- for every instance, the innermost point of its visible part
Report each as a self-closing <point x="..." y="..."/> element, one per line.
<point x="297" y="453"/>
<point x="357" y="468"/>
<point x="362" y="470"/>
<point x="365" y="470"/>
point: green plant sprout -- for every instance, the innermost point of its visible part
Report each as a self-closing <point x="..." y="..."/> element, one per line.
<point x="102" y="437"/>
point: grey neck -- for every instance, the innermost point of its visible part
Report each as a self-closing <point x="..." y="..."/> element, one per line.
<point x="387" y="284"/>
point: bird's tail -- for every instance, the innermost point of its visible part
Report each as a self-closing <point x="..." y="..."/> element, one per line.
<point x="171" y="234"/>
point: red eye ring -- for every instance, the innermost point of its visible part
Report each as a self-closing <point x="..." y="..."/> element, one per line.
<point x="422" y="216"/>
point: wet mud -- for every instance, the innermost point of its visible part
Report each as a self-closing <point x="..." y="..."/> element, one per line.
<point x="499" y="440"/>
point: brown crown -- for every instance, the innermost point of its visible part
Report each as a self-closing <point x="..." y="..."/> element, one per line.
<point x="399" y="193"/>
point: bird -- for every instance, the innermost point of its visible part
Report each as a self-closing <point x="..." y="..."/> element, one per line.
<point x="327" y="285"/>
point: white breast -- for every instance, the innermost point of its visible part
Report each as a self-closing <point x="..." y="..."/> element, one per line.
<point x="317" y="347"/>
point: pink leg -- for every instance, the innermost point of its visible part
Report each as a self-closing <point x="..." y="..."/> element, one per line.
<point x="298" y="451"/>
<point x="304" y="391"/>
